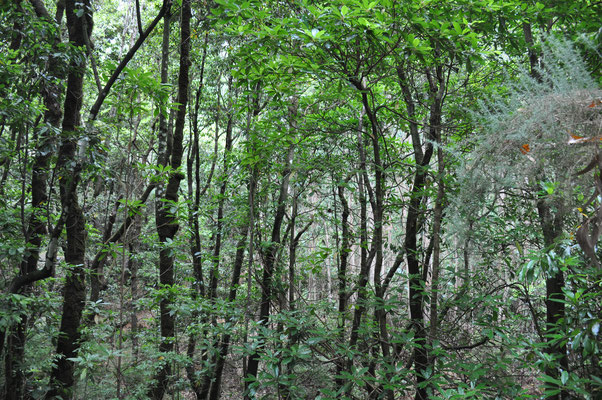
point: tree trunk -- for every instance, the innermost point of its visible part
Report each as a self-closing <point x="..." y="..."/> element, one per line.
<point x="436" y="238"/>
<point x="364" y="274"/>
<point x="167" y="223"/>
<point x="52" y="94"/>
<point x="270" y="260"/>
<point x="217" y="246"/>
<point x="222" y="353"/>
<point x="61" y="378"/>
<point x="342" y="277"/>
<point x="416" y="272"/>
<point x="194" y="196"/>
<point x="551" y="227"/>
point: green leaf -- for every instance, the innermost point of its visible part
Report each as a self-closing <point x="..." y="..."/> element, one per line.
<point x="457" y="28"/>
<point x="596" y="328"/>
<point x="564" y="377"/>
<point x="549" y="379"/>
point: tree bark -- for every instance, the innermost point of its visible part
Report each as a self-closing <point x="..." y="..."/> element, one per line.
<point x="166" y="220"/>
<point x="436" y="238"/>
<point x="416" y="272"/>
<point x="364" y="274"/>
<point x="217" y="247"/>
<point x="551" y="227"/>
<point x="342" y="277"/>
<point x="222" y="353"/>
<point x="61" y="378"/>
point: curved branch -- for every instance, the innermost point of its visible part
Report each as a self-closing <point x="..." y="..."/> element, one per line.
<point x="124" y="62"/>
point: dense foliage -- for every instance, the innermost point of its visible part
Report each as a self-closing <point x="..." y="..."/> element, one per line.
<point x="342" y="199"/>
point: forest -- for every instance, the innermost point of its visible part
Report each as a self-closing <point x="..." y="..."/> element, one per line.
<point x="300" y="199"/>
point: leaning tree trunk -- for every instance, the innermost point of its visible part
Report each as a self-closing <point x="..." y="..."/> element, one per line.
<point x="167" y="223"/>
<point x="61" y="378"/>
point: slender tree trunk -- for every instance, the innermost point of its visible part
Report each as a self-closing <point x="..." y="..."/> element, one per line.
<point x="194" y="195"/>
<point x="270" y="261"/>
<point x="163" y="154"/>
<point x="364" y="274"/>
<point x="292" y="253"/>
<point x="342" y="277"/>
<point x="378" y="214"/>
<point x="252" y="111"/>
<point x="551" y="227"/>
<point x="167" y="223"/>
<point x="416" y="272"/>
<point x="97" y="268"/>
<point x="222" y="353"/>
<point x="133" y="266"/>
<point x="437" y="219"/>
<point x="415" y="281"/>
<point x="96" y="280"/>
<point x="217" y="246"/>
<point x="61" y="378"/>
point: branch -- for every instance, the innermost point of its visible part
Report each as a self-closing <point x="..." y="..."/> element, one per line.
<point x="468" y="346"/>
<point x="124" y="62"/>
<point x="49" y="264"/>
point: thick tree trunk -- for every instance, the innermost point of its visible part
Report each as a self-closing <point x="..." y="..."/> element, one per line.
<point x="167" y="223"/>
<point x="415" y="281"/>
<point x="62" y="379"/>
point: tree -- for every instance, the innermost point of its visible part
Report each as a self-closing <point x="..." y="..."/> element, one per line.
<point x="377" y="201"/>
<point x="547" y="112"/>
<point x="166" y="220"/>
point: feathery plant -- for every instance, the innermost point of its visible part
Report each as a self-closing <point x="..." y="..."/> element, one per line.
<point x="537" y="136"/>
